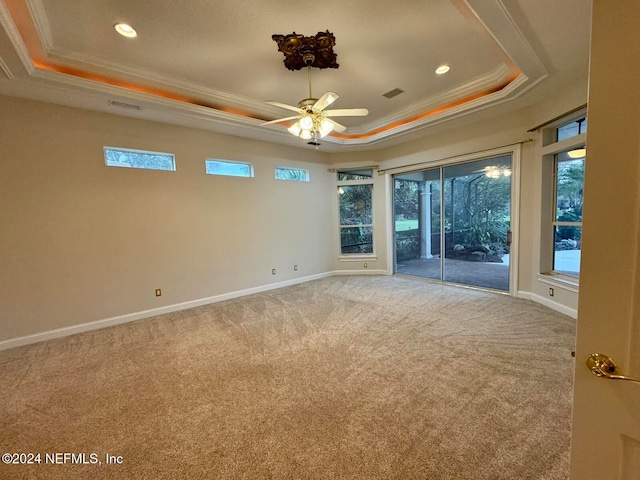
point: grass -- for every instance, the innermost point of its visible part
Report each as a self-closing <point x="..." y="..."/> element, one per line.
<point x="404" y="225"/>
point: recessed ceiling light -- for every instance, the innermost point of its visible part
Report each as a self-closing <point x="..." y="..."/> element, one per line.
<point x="125" y="30"/>
<point x="442" y="69"/>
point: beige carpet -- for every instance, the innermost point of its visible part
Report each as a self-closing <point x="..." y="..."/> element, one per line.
<point x="345" y="378"/>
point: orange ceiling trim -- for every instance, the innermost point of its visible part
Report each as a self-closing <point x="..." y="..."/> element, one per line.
<point x="428" y="113"/>
<point x="136" y="88"/>
<point x="24" y="23"/>
<point x="22" y="18"/>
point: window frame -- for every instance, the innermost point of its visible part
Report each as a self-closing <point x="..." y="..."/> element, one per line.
<point x="551" y="148"/>
<point x="343" y="183"/>
<point x="236" y="162"/>
<point x="147" y="152"/>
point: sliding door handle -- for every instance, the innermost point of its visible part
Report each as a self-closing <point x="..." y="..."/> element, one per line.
<point x="604" y="366"/>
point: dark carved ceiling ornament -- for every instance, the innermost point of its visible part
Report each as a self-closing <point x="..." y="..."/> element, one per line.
<point x="300" y="51"/>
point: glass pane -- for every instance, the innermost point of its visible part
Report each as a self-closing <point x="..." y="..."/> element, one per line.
<point x="569" y="190"/>
<point x="139" y="159"/>
<point x="572" y="129"/>
<point x="477" y="208"/>
<point x="356" y="240"/>
<point x="566" y="251"/>
<point x="233" y="169"/>
<point x="417" y="223"/>
<point x="406" y="198"/>
<point x="356" y="204"/>
<point x="355" y="175"/>
<point x="295" y="174"/>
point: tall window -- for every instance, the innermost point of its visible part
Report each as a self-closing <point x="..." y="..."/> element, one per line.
<point x="567" y="221"/>
<point x="355" y="194"/>
<point x="564" y="166"/>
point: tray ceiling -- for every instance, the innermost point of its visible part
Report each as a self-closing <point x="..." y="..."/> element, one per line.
<point x="214" y="64"/>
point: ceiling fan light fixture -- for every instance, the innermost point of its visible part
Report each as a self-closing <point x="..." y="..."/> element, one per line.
<point x="326" y="127"/>
<point x="306" y="122"/>
<point x="125" y="30"/>
<point x="311" y="121"/>
<point x="295" y="129"/>
<point x="577" y="153"/>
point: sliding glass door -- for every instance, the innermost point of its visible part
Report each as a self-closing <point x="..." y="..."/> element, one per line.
<point x="452" y="223"/>
<point x="417" y="223"/>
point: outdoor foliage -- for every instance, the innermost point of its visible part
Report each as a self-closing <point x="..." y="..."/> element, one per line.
<point x="570" y="192"/>
<point x="294" y="174"/>
<point x="479" y="209"/>
<point x="477" y="213"/>
<point x="356" y="207"/>
<point x="233" y="169"/>
<point x="130" y="159"/>
<point x="356" y="216"/>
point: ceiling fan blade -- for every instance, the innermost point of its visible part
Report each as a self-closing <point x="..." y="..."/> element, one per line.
<point x="325" y="100"/>
<point x="279" y="120"/>
<point x="337" y="126"/>
<point x="284" y="105"/>
<point x="347" y="112"/>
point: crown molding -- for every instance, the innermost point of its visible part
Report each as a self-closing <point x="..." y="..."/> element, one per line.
<point x="5" y="69"/>
<point x="492" y="79"/>
<point x="499" y="23"/>
<point x="9" y="26"/>
<point x="41" y="22"/>
<point x="491" y="15"/>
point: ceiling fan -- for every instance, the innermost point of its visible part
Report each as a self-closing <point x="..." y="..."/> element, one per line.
<point x="312" y="120"/>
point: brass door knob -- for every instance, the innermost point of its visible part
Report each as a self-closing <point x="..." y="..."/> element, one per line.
<point x="604" y="366"/>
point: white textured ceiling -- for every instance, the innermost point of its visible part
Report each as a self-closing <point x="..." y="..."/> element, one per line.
<point x="214" y="64"/>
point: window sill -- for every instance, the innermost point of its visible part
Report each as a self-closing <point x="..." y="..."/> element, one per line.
<point x="560" y="281"/>
<point x="357" y="257"/>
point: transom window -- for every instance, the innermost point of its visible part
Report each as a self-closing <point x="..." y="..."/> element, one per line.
<point x="129" y="158"/>
<point x="228" y="168"/>
<point x="293" y="174"/>
<point x="571" y="129"/>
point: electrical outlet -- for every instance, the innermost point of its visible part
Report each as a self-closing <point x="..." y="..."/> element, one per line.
<point x="366" y="265"/>
<point x="158" y="292"/>
<point x="295" y="268"/>
<point x="273" y="271"/>
<point x="551" y="292"/>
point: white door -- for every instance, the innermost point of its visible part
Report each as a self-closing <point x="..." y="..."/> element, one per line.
<point x="606" y="423"/>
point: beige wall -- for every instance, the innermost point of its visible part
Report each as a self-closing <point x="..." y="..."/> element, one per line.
<point x="82" y="242"/>
<point x="476" y="133"/>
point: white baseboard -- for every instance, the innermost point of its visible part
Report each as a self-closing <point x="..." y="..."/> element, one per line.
<point x="558" y="307"/>
<point x="360" y="272"/>
<point x="524" y="295"/>
<point x="131" y="317"/>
